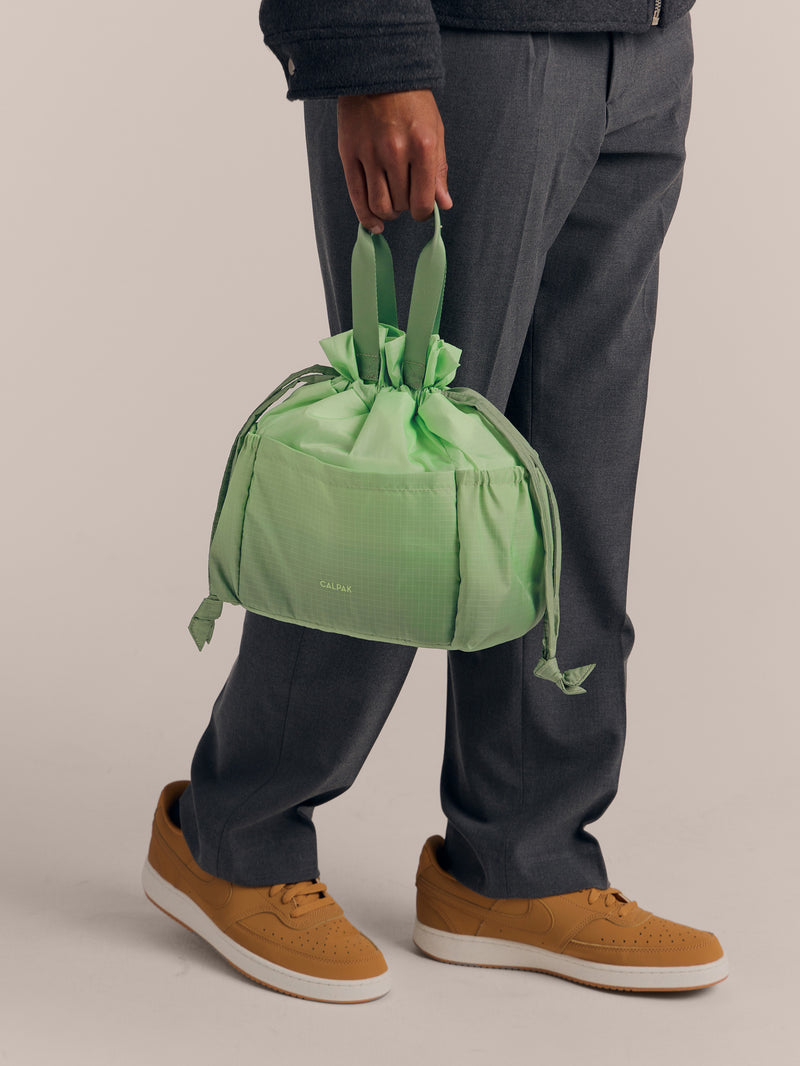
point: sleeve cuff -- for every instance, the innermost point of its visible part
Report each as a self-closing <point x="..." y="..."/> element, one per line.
<point x="389" y="61"/>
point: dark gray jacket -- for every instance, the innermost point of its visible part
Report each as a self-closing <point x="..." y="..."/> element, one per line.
<point x="344" y="47"/>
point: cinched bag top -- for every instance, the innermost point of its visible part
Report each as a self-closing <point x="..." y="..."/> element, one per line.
<point x="379" y="501"/>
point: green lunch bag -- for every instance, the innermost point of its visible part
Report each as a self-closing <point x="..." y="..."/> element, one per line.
<point x="378" y="503"/>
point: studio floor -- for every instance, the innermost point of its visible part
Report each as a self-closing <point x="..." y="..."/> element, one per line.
<point x="94" y="974"/>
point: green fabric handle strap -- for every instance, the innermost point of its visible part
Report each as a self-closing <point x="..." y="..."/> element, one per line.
<point x="374" y="302"/>
<point x="541" y="490"/>
<point x="373" y="296"/>
<point x="371" y="280"/>
<point x="202" y="624"/>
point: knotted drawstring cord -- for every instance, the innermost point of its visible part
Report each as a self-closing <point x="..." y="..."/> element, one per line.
<point x="202" y="624"/>
<point x="543" y="497"/>
<point x="570" y="681"/>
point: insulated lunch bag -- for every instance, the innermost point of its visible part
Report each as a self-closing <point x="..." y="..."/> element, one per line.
<point x="376" y="502"/>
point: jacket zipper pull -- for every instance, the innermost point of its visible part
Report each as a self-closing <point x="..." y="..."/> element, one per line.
<point x="656" y="13"/>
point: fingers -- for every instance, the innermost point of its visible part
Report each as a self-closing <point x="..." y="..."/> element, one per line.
<point x="392" y="151"/>
<point x="369" y="194"/>
<point x="428" y="182"/>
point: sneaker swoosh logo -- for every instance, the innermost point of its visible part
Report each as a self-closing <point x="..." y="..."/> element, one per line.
<point x="525" y="916"/>
<point x="206" y="889"/>
<point x="534" y="918"/>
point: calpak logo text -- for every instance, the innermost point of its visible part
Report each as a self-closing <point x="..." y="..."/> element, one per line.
<point x="335" y="586"/>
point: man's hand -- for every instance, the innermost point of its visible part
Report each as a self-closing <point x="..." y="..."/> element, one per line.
<point x="392" y="150"/>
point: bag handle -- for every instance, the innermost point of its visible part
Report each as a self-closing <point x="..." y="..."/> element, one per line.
<point x="426" y="305"/>
<point x="372" y="284"/>
<point x="373" y="292"/>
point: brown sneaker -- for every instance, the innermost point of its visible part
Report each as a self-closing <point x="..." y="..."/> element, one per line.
<point x="290" y="937"/>
<point x="596" y="937"/>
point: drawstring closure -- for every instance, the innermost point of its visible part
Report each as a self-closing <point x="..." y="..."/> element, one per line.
<point x="201" y="625"/>
<point x="544" y="500"/>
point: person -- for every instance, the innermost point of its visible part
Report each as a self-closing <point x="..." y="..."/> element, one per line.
<point x="565" y="157"/>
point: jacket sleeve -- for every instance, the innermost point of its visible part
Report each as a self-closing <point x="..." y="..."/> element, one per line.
<point x="346" y="47"/>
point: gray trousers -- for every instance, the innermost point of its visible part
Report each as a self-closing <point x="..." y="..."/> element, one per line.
<point x="565" y="156"/>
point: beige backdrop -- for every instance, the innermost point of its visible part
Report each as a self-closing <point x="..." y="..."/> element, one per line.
<point x="159" y="276"/>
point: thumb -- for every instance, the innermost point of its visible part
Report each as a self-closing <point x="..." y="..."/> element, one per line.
<point x="443" y="197"/>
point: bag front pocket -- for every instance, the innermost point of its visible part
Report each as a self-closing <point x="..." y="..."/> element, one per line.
<point x="370" y="555"/>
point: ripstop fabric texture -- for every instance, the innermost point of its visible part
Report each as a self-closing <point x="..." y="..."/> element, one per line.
<point x="374" y="501"/>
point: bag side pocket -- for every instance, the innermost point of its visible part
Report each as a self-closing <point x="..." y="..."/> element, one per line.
<point x="225" y="553"/>
<point x="501" y="558"/>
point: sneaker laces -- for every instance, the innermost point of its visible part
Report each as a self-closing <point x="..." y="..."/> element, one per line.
<point x="613" y="898"/>
<point x="303" y="895"/>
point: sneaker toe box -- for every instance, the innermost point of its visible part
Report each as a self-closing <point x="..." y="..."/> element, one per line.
<point x="332" y="949"/>
<point x="655" y="942"/>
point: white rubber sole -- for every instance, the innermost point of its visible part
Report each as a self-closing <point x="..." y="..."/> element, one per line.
<point x="179" y="906"/>
<point x="487" y="951"/>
